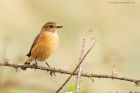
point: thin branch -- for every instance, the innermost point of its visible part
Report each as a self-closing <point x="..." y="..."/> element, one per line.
<point x="80" y="68"/>
<point x="84" y="43"/>
<point x="78" y="79"/>
<point x="81" y="61"/>
<point x="136" y="81"/>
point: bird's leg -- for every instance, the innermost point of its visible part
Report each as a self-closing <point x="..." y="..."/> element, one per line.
<point x="51" y="72"/>
<point x="47" y="64"/>
<point x="35" y="64"/>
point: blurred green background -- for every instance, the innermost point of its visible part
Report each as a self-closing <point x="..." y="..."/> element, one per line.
<point x="116" y="28"/>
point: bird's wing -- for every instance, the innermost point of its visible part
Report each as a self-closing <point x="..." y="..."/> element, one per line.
<point x="34" y="43"/>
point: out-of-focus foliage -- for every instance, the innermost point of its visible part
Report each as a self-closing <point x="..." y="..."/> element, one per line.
<point x="72" y="88"/>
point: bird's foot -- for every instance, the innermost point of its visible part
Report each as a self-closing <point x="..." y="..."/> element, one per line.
<point x="51" y="72"/>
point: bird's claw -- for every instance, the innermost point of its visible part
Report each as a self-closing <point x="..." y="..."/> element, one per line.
<point x="52" y="73"/>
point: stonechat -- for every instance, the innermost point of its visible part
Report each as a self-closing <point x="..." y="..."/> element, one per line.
<point x="44" y="44"/>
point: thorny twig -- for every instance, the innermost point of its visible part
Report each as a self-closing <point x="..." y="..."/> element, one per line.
<point x="80" y="68"/>
<point x="16" y="66"/>
<point x="81" y="61"/>
<point x="84" y="43"/>
<point x="136" y="81"/>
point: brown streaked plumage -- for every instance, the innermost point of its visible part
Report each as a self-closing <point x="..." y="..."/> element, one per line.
<point x="44" y="44"/>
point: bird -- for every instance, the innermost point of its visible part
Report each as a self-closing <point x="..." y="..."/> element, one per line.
<point x="44" y="44"/>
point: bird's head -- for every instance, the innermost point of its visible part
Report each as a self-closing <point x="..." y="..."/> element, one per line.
<point x="51" y="27"/>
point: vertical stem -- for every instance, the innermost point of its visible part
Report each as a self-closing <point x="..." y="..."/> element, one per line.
<point x="78" y="79"/>
<point x="83" y="56"/>
<point x="80" y="68"/>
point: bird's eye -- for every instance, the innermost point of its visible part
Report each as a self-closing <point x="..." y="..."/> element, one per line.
<point x="51" y="26"/>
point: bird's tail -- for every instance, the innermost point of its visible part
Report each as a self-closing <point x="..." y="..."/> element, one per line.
<point x="26" y="63"/>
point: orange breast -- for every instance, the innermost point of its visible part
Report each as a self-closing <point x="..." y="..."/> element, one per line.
<point x="46" y="45"/>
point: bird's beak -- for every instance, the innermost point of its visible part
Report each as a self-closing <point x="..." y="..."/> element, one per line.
<point x="59" y="26"/>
